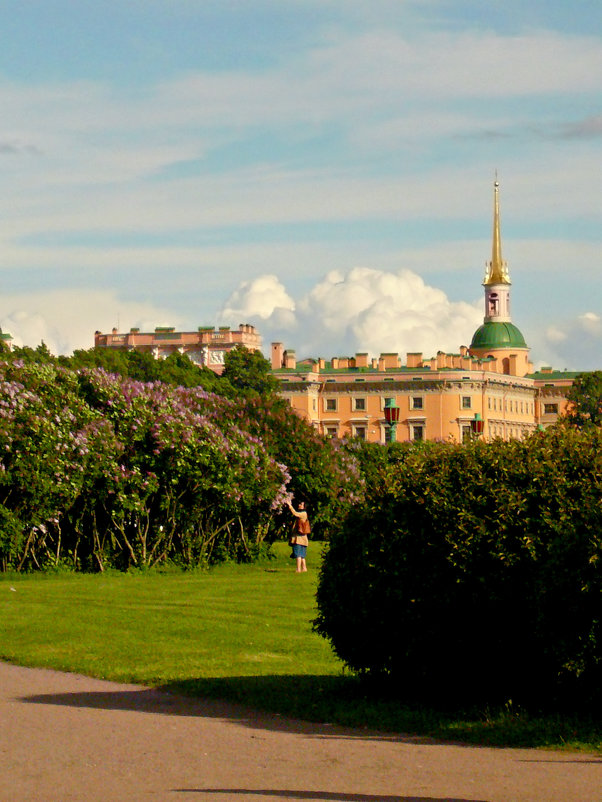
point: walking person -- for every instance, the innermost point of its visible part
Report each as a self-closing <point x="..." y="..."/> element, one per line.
<point x="300" y="540"/>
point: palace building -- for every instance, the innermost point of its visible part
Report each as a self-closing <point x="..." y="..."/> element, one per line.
<point x="206" y="347"/>
<point x="488" y="388"/>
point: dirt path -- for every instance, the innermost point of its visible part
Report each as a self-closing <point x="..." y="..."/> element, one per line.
<point x="66" y="737"/>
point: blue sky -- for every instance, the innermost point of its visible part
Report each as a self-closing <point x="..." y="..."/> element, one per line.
<point x="321" y="168"/>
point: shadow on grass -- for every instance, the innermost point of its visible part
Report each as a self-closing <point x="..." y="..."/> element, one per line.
<point x="277" y="703"/>
<point x="334" y="706"/>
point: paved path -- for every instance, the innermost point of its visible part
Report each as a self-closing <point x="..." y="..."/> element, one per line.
<point x="66" y="737"/>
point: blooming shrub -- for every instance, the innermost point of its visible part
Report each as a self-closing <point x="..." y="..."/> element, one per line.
<point x="98" y="470"/>
<point x="45" y="437"/>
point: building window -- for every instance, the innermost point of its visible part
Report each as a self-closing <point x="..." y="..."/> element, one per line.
<point x="359" y="404"/>
<point x="466" y="402"/>
<point x="466" y="434"/>
<point x="550" y="409"/>
<point x="489" y="403"/>
<point x="359" y="432"/>
<point x="331" y="404"/>
<point x="417" y="431"/>
<point x="385" y="400"/>
<point x="332" y="431"/>
<point x="417" y="402"/>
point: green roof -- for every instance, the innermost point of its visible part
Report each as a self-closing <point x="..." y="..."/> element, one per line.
<point x="498" y="335"/>
<point x="555" y="375"/>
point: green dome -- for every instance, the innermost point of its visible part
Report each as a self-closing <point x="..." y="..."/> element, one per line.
<point x="497" y="335"/>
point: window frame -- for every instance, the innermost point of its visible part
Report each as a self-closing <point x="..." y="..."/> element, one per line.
<point x="356" y="427"/>
<point x="414" y="427"/>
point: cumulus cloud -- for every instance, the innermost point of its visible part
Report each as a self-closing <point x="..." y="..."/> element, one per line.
<point x="361" y="310"/>
<point x="265" y="298"/>
<point x="591" y="323"/>
<point x="66" y="319"/>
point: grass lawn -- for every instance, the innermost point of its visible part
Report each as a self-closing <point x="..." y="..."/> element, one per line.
<point x="235" y="632"/>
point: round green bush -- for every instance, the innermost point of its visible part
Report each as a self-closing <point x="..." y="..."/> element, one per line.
<point x="474" y="572"/>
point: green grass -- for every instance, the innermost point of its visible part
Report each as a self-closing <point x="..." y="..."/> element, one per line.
<point x="241" y="633"/>
<point x="163" y="627"/>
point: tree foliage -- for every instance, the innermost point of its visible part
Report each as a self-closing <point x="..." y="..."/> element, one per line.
<point x="249" y="372"/>
<point x="176" y="369"/>
<point x="322" y="472"/>
<point x="246" y="373"/>
<point x="585" y="400"/>
<point x="474" y="571"/>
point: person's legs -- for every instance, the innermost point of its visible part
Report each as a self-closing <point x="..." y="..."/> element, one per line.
<point x="299" y="552"/>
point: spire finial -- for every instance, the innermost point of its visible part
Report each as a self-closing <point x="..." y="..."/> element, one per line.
<point x="497" y="272"/>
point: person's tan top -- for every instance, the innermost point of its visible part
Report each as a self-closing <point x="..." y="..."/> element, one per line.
<point x="302" y="528"/>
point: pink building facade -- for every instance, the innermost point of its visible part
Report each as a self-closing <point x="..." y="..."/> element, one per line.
<point x="206" y="347"/>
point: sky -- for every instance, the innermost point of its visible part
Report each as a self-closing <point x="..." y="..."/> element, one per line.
<point x="322" y="169"/>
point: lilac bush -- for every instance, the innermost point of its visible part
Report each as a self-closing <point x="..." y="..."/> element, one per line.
<point x="186" y="485"/>
<point x="101" y="471"/>
<point x="46" y="433"/>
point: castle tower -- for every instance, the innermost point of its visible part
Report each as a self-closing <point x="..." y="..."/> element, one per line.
<point x="498" y="338"/>
<point x="497" y="281"/>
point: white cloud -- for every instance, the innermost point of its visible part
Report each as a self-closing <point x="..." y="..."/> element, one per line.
<point x="361" y="310"/>
<point x="591" y="323"/>
<point x="555" y="335"/>
<point x="67" y="319"/>
<point x="265" y="298"/>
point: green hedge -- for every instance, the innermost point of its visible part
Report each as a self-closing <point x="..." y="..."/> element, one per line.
<point x="473" y="571"/>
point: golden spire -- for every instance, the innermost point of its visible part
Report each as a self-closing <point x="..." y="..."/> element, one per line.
<point x="497" y="272"/>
